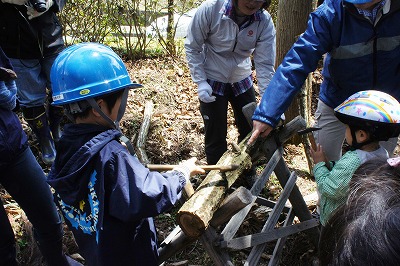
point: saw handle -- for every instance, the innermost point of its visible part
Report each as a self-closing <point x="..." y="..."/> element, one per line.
<point x="188" y="189"/>
<point x="166" y="167"/>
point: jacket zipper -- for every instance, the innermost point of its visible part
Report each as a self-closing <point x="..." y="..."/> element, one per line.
<point x="235" y="44"/>
<point x="374" y="45"/>
<point x="374" y="59"/>
<point x="236" y="37"/>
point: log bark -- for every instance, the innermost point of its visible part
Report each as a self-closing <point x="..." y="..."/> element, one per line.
<point x="196" y="213"/>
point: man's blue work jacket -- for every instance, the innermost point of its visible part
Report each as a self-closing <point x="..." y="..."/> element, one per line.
<point x="359" y="55"/>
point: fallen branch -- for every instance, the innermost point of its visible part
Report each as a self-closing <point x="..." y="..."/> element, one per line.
<point x="144" y="129"/>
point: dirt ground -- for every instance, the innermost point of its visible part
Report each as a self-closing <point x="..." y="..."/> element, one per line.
<point x="176" y="133"/>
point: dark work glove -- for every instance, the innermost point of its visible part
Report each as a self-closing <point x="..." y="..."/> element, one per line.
<point x="7" y="74"/>
<point x="33" y="13"/>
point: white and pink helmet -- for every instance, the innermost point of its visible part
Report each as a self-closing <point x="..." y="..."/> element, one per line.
<point x="374" y="111"/>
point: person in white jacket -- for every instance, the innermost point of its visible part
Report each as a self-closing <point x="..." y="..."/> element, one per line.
<point x="221" y="38"/>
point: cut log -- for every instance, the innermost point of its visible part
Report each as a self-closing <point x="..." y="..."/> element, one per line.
<point x="177" y="239"/>
<point x="236" y="201"/>
<point x="196" y="213"/>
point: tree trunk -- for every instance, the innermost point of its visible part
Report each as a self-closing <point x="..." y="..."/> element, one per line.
<point x="170" y="28"/>
<point x="291" y="23"/>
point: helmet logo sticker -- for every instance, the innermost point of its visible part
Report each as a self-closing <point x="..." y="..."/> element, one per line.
<point x="84" y="92"/>
<point x="58" y="97"/>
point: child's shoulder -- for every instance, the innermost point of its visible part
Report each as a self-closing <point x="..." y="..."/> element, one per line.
<point x="368" y="155"/>
<point x="350" y="157"/>
<point x="350" y="153"/>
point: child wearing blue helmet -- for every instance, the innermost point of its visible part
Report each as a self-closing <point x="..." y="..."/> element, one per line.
<point x="107" y="197"/>
<point x="369" y="116"/>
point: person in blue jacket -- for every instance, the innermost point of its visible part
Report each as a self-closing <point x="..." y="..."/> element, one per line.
<point x="25" y="181"/>
<point x="107" y="197"/>
<point x="32" y="40"/>
<point x="359" y="42"/>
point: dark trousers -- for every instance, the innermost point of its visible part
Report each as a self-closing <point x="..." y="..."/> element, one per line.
<point x="25" y="181"/>
<point x="215" y="121"/>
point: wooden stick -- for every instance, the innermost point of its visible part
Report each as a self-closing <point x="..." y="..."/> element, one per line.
<point x="166" y="167"/>
<point x="144" y="129"/>
<point x="312" y="141"/>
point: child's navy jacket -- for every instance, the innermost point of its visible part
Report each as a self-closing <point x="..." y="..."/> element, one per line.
<point x="13" y="140"/>
<point x="108" y="197"/>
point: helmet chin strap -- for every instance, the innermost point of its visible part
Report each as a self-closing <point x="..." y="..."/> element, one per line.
<point x="115" y="124"/>
<point x="354" y="144"/>
<point x="94" y="105"/>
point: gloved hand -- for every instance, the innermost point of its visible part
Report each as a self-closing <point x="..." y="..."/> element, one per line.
<point x="7" y="74"/>
<point x="15" y="2"/>
<point x="32" y="13"/>
<point x="189" y="168"/>
<point x="204" y="91"/>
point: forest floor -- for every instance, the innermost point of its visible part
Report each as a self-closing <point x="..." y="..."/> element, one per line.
<point x="175" y="134"/>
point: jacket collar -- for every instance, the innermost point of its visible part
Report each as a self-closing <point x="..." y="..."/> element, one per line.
<point x="228" y="11"/>
<point x="389" y="7"/>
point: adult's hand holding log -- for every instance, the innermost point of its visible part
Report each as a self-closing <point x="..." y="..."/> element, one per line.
<point x="259" y="129"/>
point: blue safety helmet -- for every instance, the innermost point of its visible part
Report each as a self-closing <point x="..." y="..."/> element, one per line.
<point x="87" y="70"/>
<point x="357" y="2"/>
<point x="84" y="71"/>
